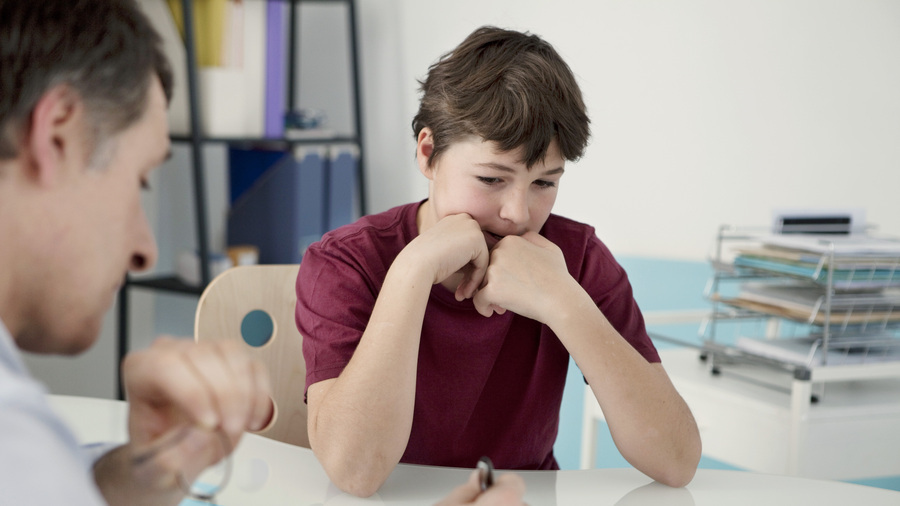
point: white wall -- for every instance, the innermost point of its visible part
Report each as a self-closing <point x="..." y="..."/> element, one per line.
<point x="704" y="111"/>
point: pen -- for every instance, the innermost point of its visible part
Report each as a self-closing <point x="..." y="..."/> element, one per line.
<point x="485" y="472"/>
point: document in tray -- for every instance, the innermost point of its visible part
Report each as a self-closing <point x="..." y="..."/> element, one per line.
<point x="854" y="277"/>
<point x="795" y="297"/>
<point x="807" y="351"/>
<point x="804" y="296"/>
<point x="848" y="261"/>
<point x="852" y="244"/>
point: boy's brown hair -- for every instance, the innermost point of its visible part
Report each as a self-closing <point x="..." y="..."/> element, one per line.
<point x="504" y="86"/>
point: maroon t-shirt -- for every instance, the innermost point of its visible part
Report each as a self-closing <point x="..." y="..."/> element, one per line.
<point x="484" y="386"/>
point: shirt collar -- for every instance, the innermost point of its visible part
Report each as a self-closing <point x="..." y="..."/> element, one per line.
<point x="10" y="357"/>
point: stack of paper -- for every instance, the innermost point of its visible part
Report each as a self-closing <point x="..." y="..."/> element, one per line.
<point x="808" y="351"/>
<point x="851" y="244"/>
<point x="859" y="265"/>
<point x="806" y="302"/>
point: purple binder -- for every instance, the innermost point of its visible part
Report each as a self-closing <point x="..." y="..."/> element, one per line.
<point x="276" y="66"/>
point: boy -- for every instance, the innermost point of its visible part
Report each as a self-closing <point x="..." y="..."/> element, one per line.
<point x="440" y="331"/>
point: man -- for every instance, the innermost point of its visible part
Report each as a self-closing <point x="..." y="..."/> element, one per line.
<point x="84" y="88"/>
<point x="83" y="121"/>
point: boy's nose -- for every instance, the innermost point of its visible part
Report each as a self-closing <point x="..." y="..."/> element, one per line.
<point x="515" y="207"/>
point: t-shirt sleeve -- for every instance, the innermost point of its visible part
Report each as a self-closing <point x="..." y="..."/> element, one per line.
<point x="335" y="298"/>
<point x="607" y="283"/>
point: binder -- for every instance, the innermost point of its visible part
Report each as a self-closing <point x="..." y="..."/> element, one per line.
<point x="277" y="14"/>
<point x="173" y="45"/>
<point x="210" y="20"/>
<point x="254" y="68"/>
<point x="343" y="201"/>
<point x="230" y="39"/>
<point x="246" y="166"/>
<point x="282" y="213"/>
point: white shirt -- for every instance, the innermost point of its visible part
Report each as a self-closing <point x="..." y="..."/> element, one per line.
<point x="41" y="463"/>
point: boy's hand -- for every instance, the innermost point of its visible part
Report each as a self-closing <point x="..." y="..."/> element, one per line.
<point x="527" y="274"/>
<point x="455" y="244"/>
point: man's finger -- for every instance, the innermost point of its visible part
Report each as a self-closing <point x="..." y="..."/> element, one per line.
<point x="264" y="406"/>
<point x="463" y="494"/>
<point x="178" y="388"/>
<point x="183" y="451"/>
<point x="508" y="489"/>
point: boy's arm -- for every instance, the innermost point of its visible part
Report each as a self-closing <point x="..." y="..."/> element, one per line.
<point x="359" y="422"/>
<point x="650" y="423"/>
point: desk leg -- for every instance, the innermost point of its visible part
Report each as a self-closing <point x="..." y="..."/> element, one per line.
<point x="801" y="392"/>
<point x="589" y="430"/>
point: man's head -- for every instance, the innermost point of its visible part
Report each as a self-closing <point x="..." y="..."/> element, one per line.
<point x="104" y="50"/>
<point x="83" y="118"/>
<point x="508" y="87"/>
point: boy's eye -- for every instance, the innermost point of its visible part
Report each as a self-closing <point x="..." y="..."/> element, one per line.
<point x="545" y="184"/>
<point x="489" y="180"/>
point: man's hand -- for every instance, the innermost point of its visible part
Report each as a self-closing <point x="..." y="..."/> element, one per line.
<point x="507" y="490"/>
<point x="184" y="399"/>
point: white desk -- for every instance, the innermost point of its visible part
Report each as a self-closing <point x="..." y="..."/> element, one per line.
<point x="268" y="472"/>
<point x="852" y="433"/>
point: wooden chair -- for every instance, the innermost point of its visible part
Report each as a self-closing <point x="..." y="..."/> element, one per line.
<point x="255" y="305"/>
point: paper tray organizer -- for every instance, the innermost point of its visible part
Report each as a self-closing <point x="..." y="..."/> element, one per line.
<point x="804" y="302"/>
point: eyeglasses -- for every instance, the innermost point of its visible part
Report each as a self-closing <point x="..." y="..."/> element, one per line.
<point x="193" y="491"/>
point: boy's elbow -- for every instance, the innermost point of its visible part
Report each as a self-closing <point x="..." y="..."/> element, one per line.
<point x="358" y="485"/>
<point x="359" y="477"/>
<point x="677" y="477"/>
<point x="682" y="470"/>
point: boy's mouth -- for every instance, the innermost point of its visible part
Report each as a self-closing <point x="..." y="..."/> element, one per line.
<point x="492" y="238"/>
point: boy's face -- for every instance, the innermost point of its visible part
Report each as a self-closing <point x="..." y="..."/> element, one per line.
<point x="495" y="188"/>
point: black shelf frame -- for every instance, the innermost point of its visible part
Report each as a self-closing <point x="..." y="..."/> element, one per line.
<point x="196" y="139"/>
<point x="275" y="142"/>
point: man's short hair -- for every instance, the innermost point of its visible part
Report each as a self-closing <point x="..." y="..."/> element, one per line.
<point x="105" y="50"/>
<point x="504" y="86"/>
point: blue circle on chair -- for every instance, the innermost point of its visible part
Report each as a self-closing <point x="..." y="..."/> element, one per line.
<point x="257" y="328"/>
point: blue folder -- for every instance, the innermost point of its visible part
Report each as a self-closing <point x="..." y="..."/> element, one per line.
<point x="283" y="212"/>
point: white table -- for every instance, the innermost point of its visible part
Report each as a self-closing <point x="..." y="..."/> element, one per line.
<point x="268" y="472"/>
<point x="853" y="432"/>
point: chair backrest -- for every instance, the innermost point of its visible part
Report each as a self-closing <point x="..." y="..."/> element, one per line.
<point x="255" y="305"/>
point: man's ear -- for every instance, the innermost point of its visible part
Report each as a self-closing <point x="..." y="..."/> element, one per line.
<point x="424" y="148"/>
<point x="56" y="134"/>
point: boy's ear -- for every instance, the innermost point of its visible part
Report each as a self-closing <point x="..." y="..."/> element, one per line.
<point x="55" y="136"/>
<point x="424" y="148"/>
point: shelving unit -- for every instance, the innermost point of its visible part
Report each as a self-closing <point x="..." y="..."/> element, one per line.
<point x="196" y="140"/>
<point x="824" y="309"/>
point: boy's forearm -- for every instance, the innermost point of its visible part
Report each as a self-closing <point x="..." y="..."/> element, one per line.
<point x="651" y="424"/>
<point x="362" y="425"/>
